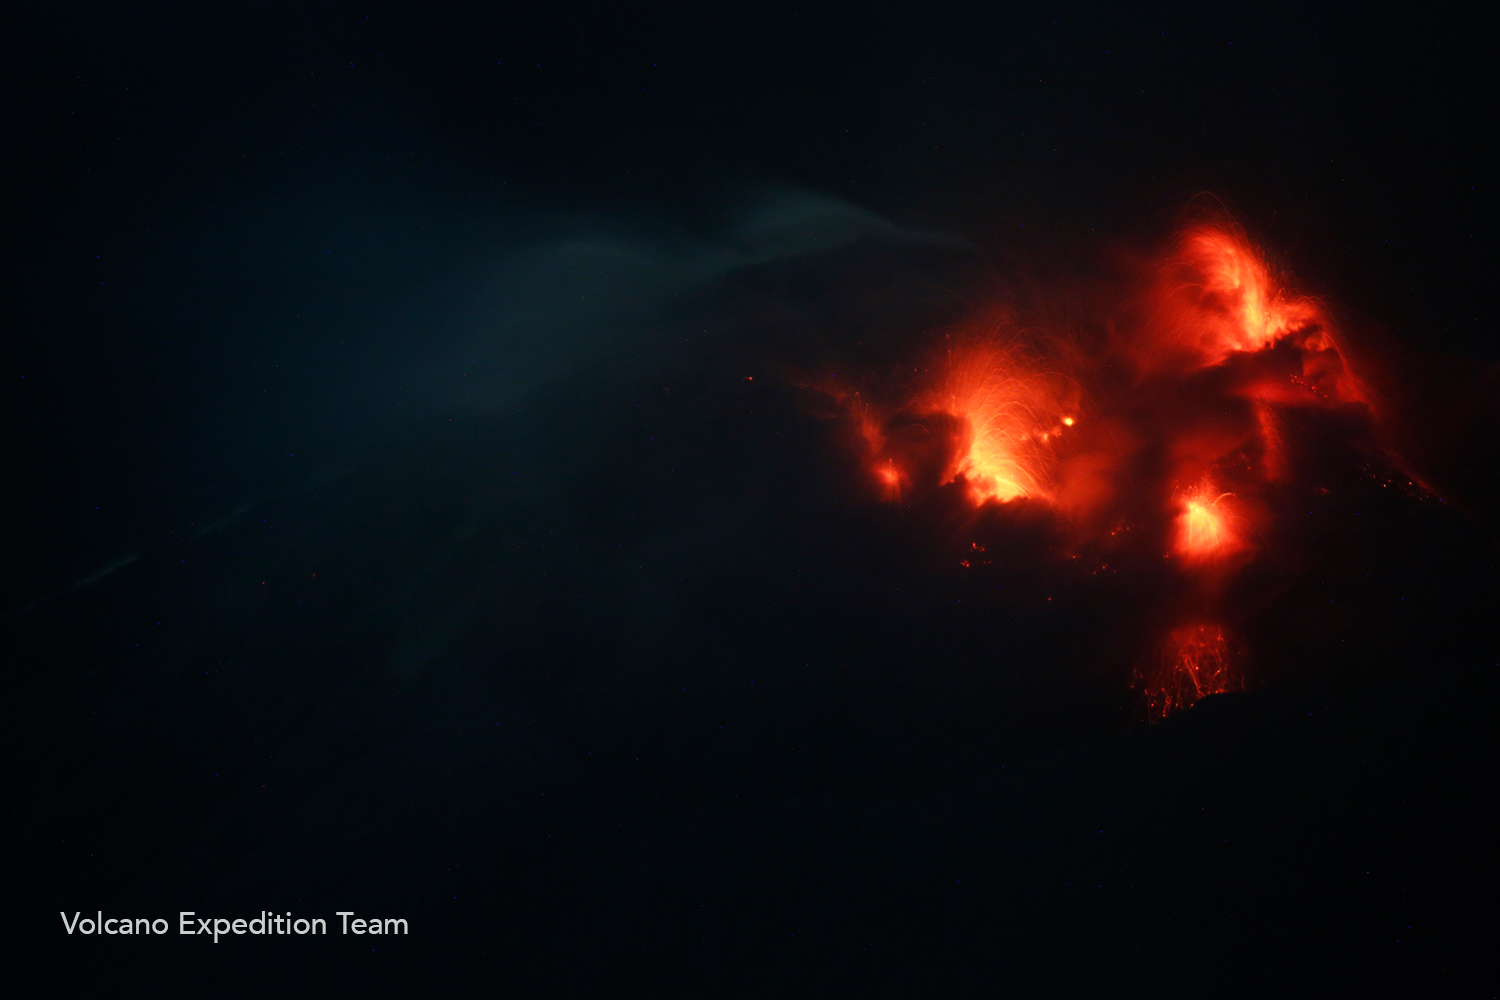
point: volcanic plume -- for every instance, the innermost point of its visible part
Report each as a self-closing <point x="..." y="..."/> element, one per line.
<point x="1171" y="422"/>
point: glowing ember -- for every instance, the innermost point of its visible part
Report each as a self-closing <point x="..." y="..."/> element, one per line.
<point x="890" y="479"/>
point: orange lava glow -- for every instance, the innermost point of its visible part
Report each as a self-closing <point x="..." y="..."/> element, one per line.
<point x="1194" y="662"/>
<point x="1206" y="526"/>
<point x="1214" y="296"/>
<point x="890" y="478"/>
<point x="1012" y="415"/>
<point x="1173" y="421"/>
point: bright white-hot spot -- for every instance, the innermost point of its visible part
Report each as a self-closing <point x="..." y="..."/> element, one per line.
<point x="1206" y="527"/>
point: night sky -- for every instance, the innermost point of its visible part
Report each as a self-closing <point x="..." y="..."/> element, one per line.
<point x="427" y="495"/>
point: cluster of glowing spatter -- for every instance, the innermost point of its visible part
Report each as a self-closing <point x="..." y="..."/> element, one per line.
<point x="1193" y="662"/>
<point x="1175" y="420"/>
<point x="1207" y="528"/>
<point x="1013" y="411"/>
<point x="1214" y="297"/>
<point x="1221" y="299"/>
<point x="991" y="416"/>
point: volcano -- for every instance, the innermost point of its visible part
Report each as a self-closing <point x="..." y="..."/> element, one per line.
<point x="1169" y="429"/>
<point x="1044" y="646"/>
<point x="749" y="500"/>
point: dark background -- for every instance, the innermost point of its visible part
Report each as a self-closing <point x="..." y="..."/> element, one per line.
<point x="391" y="526"/>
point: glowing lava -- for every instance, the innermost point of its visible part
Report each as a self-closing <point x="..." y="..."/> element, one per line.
<point x="1206" y="527"/>
<point x="1192" y="383"/>
<point x="890" y="478"/>
<point x="1012" y="412"/>
<point x="1194" y="662"/>
<point x="1215" y="296"/>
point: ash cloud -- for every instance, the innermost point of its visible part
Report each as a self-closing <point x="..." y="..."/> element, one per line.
<point x="284" y="333"/>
